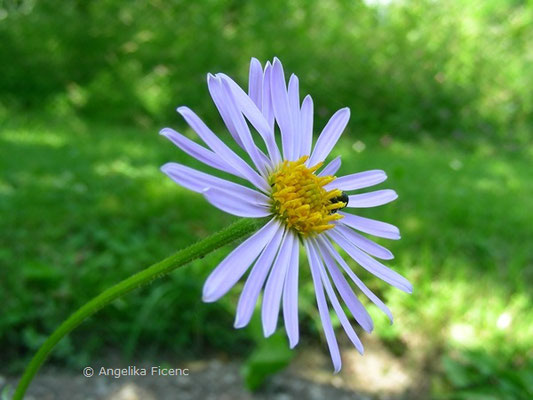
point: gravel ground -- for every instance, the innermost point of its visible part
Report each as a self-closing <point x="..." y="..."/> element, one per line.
<point x="214" y="381"/>
<point x="376" y="376"/>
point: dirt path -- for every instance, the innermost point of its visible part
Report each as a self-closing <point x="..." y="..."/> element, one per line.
<point x="376" y="376"/>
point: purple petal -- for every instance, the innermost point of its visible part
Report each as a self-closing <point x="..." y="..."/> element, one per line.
<point x="306" y="117"/>
<point x="332" y="167"/>
<point x="233" y="267"/>
<point x="290" y="297"/>
<point x="220" y="148"/>
<point x="240" y="124"/>
<point x="346" y="293"/>
<point x="256" y="280"/>
<point x="256" y="118"/>
<point x="294" y="104"/>
<point x="199" y="152"/>
<point x="372" y="199"/>
<point x="266" y="107"/>
<point x="199" y="181"/>
<point x="325" y="248"/>
<point x="274" y="285"/>
<point x="214" y="87"/>
<point x="225" y="102"/>
<point x="348" y="296"/>
<point x="255" y="82"/>
<point x="371" y="226"/>
<point x="282" y="112"/>
<point x="329" y="136"/>
<point x="236" y="203"/>
<point x="323" y="308"/>
<point x="375" y="267"/>
<point x="364" y="243"/>
<point x="357" y="181"/>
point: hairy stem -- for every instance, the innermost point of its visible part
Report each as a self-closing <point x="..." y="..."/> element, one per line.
<point x="238" y="230"/>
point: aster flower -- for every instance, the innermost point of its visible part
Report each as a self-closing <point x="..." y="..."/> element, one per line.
<point x="306" y="204"/>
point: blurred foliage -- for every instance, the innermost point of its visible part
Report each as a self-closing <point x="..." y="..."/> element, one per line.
<point x="475" y="375"/>
<point x="441" y="99"/>
<point x="457" y="68"/>
<point x="268" y="357"/>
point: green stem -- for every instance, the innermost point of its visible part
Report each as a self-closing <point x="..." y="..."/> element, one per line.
<point x="238" y="230"/>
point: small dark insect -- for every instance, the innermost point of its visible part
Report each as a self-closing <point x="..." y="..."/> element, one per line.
<point x="342" y="198"/>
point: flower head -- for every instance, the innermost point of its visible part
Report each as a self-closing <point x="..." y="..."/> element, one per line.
<point x="300" y="200"/>
<point x="303" y="199"/>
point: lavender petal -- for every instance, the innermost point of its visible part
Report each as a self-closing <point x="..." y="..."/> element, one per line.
<point x="236" y="203"/>
<point x="266" y="105"/>
<point x="233" y="267"/>
<point x="294" y="105"/>
<point x="364" y="243"/>
<point x="198" y="181"/>
<point x="214" y="86"/>
<point x="348" y="296"/>
<point x="282" y="111"/>
<point x="323" y="308"/>
<point x="372" y="199"/>
<point x="326" y="246"/>
<point x="256" y="118"/>
<point x="371" y="226"/>
<point x="255" y="82"/>
<point x="240" y="124"/>
<point x="348" y="328"/>
<point x="332" y="167"/>
<point x="375" y="267"/>
<point x="256" y="281"/>
<point x="197" y="151"/>
<point x="290" y="298"/>
<point x="330" y="135"/>
<point x="274" y="285"/>
<point x="306" y="118"/>
<point x="356" y="181"/>
<point x="220" y="148"/>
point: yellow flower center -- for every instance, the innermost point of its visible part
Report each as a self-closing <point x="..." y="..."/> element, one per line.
<point x="300" y="200"/>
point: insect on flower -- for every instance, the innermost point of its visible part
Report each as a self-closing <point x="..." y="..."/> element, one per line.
<point x="304" y="199"/>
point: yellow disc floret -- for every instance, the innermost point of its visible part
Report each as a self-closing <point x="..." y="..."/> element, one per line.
<point x="300" y="200"/>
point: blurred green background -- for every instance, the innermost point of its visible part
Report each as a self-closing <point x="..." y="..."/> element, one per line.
<point x="441" y="94"/>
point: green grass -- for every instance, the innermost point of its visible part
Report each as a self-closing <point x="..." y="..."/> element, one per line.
<point x="84" y="205"/>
